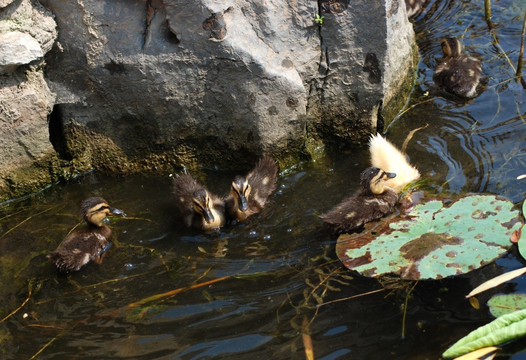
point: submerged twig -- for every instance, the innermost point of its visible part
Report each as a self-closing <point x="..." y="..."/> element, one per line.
<point x="410" y="136"/>
<point x="26" y="220"/>
<point x="351" y="297"/>
<point x="29" y="292"/>
<point x="175" y="292"/>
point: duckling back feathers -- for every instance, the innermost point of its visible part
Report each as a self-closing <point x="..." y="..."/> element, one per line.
<point x="372" y="201"/>
<point x="457" y="73"/>
<point x="386" y="156"/>
<point x="88" y="243"/>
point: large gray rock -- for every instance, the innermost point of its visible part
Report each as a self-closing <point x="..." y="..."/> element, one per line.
<point x="146" y="85"/>
<point x="225" y="80"/>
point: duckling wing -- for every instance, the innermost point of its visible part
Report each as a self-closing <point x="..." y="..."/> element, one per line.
<point x="262" y="179"/>
<point x="459" y="75"/>
<point x="80" y="247"/>
<point x="356" y="211"/>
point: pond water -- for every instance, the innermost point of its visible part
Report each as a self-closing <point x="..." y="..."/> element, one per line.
<point x="250" y="291"/>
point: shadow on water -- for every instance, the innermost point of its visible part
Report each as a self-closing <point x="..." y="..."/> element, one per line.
<point x="262" y="288"/>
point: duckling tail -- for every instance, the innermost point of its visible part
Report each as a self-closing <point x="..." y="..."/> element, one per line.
<point x="387" y="157"/>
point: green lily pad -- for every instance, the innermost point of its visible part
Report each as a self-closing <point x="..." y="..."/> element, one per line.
<point x="501" y="330"/>
<point x="436" y="239"/>
<point x="504" y="304"/>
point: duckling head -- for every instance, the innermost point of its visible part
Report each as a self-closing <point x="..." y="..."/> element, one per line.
<point x="451" y="46"/>
<point x="241" y="190"/>
<point x="95" y="209"/>
<point x="201" y="203"/>
<point x="373" y="180"/>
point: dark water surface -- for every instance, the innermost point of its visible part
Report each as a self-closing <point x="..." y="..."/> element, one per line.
<point x="251" y="290"/>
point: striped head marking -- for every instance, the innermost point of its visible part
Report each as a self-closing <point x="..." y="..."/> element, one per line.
<point x="373" y="179"/>
<point x="201" y="203"/>
<point x="241" y="190"/>
<point x="94" y="210"/>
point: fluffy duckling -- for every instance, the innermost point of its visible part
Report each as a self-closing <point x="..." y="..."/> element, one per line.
<point x="414" y="7"/>
<point x="373" y="200"/>
<point x="385" y="155"/>
<point x="249" y="194"/>
<point x="88" y="243"/>
<point x="457" y="73"/>
<point x="198" y="207"/>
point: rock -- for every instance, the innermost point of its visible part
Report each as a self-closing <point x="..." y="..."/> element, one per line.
<point x="168" y="82"/>
<point x="28" y="161"/>
<point x="17" y="48"/>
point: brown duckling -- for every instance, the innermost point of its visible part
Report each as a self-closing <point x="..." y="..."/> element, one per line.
<point x="386" y="156"/>
<point x="199" y="208"/>
<point x="89" y="243"/>
<point x="249" y="194"/>
<point x="373" y="200"/>
<point x="457" y="73"/>
<point x="414" y="7"/>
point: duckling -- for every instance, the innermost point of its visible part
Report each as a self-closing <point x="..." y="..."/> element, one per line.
<point x="385" y="155"/>
<point x="457" y="73"/>
<point x="89" y="243"/>
<point x="249" y="194"/>
<point x="199" y="208"/>
<point x="373" y="200"/>
<point x="414" y="7"/>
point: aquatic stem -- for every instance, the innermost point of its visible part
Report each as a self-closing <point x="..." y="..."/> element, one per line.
<point x="307" y="339"/>
<point x="521" y="53"/>
<point x="405" y="308"/>
<point x="487" y="13"/>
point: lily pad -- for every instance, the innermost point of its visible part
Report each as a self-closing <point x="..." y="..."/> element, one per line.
<point x="504" y="304"/>
<point x="436" y="239"/>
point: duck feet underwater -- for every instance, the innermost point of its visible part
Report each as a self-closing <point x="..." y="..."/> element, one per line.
<point x="89" y="243"/>
<point x="249" y="194"/>
<point x="373" y="200"/>
<point x="457" y="73"/>
<point x="198" y="207"/>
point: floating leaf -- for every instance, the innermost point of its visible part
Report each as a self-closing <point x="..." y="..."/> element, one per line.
<point x="496" y="281"/>
<point x="504" y="304"/>
<point x="503" y="329"/>
<point x="433" y="241"/>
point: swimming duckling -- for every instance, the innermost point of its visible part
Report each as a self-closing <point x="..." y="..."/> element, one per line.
<point x="198" y="207"/>
<point x="249" y="194"/>
<point x="385" y="155"/>
<point x="373" y="200"/>
<point x="414" y="7"/>
<point x="89" y="243"/>
<point x="457" y="73"/>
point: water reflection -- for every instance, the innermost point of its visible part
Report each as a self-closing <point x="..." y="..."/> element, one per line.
<point x="168" y="292"/>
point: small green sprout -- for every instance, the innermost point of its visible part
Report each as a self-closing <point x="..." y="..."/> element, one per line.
<point x="318" y="19"/>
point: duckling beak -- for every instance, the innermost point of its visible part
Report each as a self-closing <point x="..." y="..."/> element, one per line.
<point x="207" y="214"/>
<point x="390" y="175"/>
<point x="243" y="205"/>
<point x="114" y="211"/>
